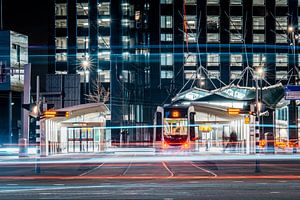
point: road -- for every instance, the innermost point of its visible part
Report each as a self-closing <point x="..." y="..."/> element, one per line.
<point x="87" y="177"/>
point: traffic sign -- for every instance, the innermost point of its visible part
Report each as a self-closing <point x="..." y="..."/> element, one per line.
<point x="292" y="92"/>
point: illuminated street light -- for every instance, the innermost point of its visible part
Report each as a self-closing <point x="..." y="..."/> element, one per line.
<point x="290" y="29"/>
<point x="85" y="64"/>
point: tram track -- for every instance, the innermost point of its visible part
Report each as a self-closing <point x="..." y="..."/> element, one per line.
<point x="205" y="170"/>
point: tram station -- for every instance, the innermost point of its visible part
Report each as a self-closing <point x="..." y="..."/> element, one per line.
<point x="83" y="130"/>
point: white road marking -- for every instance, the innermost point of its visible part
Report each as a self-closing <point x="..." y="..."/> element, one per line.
<point x="274" y="192"/>
<point x="58" y="184"/>
<point x="282" y="181"/>
<point x="238" y="181"/>
<point x="205" y="170"/>
<point x="168" y="169"/>
<point x="85" y="173"/>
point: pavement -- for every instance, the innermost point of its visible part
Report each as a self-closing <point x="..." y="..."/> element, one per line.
<point x="168" y="175"/>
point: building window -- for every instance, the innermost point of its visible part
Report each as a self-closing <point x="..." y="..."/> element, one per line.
<point x="258" y="23"/>
<point x="61" y="57"/>
<point x="61" y="23"/>
<point x="82" y="23"/>
<point x="166" y="22"/>
<point x="166" y="37"/>
<point x="235" y="74"/>
<point x="166" y="74"/>
<point x="236" y="38"/>
<point x="82" y="9"/>
<point x="103" y="8"/>
<point x="126" y="41"/>
<point x="235" y="2"/>
<point x="213" y="37"/>
<point x="213" y="60"/>
<point x="281" y="75"/>
<point x="236" y="60"/>
<point x="281" y="60"/>
<point x="281" y="23"/>
<point x="258" y="2"/>
<point x="281" y="2"/>
<point x="280" y="38"/>
<point x="213" y="74"/>
<point x="213" y="2"/>
<point x="191" y="2"/>
<point x="61" y="43"/>
<point x="189" y="74"/>
<point x="128" y="23"/>
<point x="191" y="37"/>
<point x="61" y="9"/>
<point x="166" y="59"/>
<point x="213" y="23"/>
<point x="258" y="38"/>
<point x="166" y="1"/>
<point x="104" y="56"/>
<point x="191" y="21"/>
<point x="190" y="59"/>
<point x="236" y="22"/>
<point x="259" y="60"/>
<point x="104" y="22"/>
<point x="104" y="42"/>
<point x="104" y="76"/>
<point x="82" y="42"/>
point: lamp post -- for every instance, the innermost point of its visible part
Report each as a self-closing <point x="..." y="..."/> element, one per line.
<point x="85" y="64"/>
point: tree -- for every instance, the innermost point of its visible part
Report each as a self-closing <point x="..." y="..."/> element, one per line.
<point x="98" y="93"/>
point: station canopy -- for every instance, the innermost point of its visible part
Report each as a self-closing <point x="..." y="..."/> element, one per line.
<point x="271" y="95"/>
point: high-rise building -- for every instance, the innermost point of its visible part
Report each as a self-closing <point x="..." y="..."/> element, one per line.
<point x="146" y="51"/>
<point x="13" y="57"/>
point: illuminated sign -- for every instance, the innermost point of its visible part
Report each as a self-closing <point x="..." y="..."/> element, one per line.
<point x="205" y="129"/>
<point x="233" y="111"/>
<point x="175" y="114"/>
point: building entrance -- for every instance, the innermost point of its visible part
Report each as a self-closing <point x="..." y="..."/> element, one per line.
<point x="81" y="140"/>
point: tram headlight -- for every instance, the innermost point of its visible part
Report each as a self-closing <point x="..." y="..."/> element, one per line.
<point x="165" y="145"/>
<point x="186" y="145"/>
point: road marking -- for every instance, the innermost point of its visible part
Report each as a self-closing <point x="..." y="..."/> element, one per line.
<point x="12" y="184"/>
<point x="85" y="173"/>
<point x="274" y="192"/>
<point x="168" y="169"/>
<point x="59" y="184"/>
<point x="238" y="181"/>
<point x="123" y="174"/>
<point x="207" y="171"/>
<point x="282" y="181"/>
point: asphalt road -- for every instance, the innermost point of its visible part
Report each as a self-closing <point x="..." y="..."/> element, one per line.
<point x="230" y="179"/>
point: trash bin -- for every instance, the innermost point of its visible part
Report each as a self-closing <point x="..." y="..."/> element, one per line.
<point x="269" y="147"/>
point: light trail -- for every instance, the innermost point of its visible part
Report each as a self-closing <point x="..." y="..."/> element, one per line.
<point x="205" y="170"/>
<point x="92" y="170"/>
<point x="168" y="169"/>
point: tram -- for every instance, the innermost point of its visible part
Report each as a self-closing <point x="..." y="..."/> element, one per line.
<point x="174" y="127"/>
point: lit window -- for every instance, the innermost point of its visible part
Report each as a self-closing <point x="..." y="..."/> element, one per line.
<point x="235" y="74"/>
<point x="128" y="23"/>
<point x="166" y="22"/>
<point x="104" y="76"/>
<point x="82" y="9"/>
<point x="281" y="75"/>
<point x="191" y="37"/>
<point x="82" y="56"/>
<point x="104" y="56"/>
<point x="258" y="60"/>
<point x="190" y="59"/>
<point x="213" y="37"/>
<point x="188" y="74"/>
<point x="235" y="2"/>
<point x="61" y="42"/>
<point x="166" y="1"/>
<point x="61" y="9"/>
<point x="281" y="2"/>
<point x="61" y="57"/>
<point x="105" y="22"/>
<point x="103" y="8"/>
<point x="258" y="38"/>
<point x="166" y="74"/>
<point x="281" y="23"/>
<point x="236" y="22"/>
<point x="82" y="23"/>
<point x="213" y="23"/>
<point x="166" y="59"/>
<point x="281" y="60"/>
<point x="166" y="37"/>
<point x="280" y="38"/>
<point x="191" y="21"/>
<point x="82" y="42"/>
<point x="60" y="23"/>
<point x="126" y="41"/>
<point x="236" y="38"/>
<point x="212" y="2"/>
<point x="236" y="60"/>
<point x="258" y="2"/>
<point x="191" y="2"/>
<point x="213" y="60"/>
<point x="104" y="42"/>
<point x="84" y="76"/>
<point x="258" y="23"/>
<point x="213" y="74"/>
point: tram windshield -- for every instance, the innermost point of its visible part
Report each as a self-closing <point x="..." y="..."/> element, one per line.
<point x="175" y="126"/>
